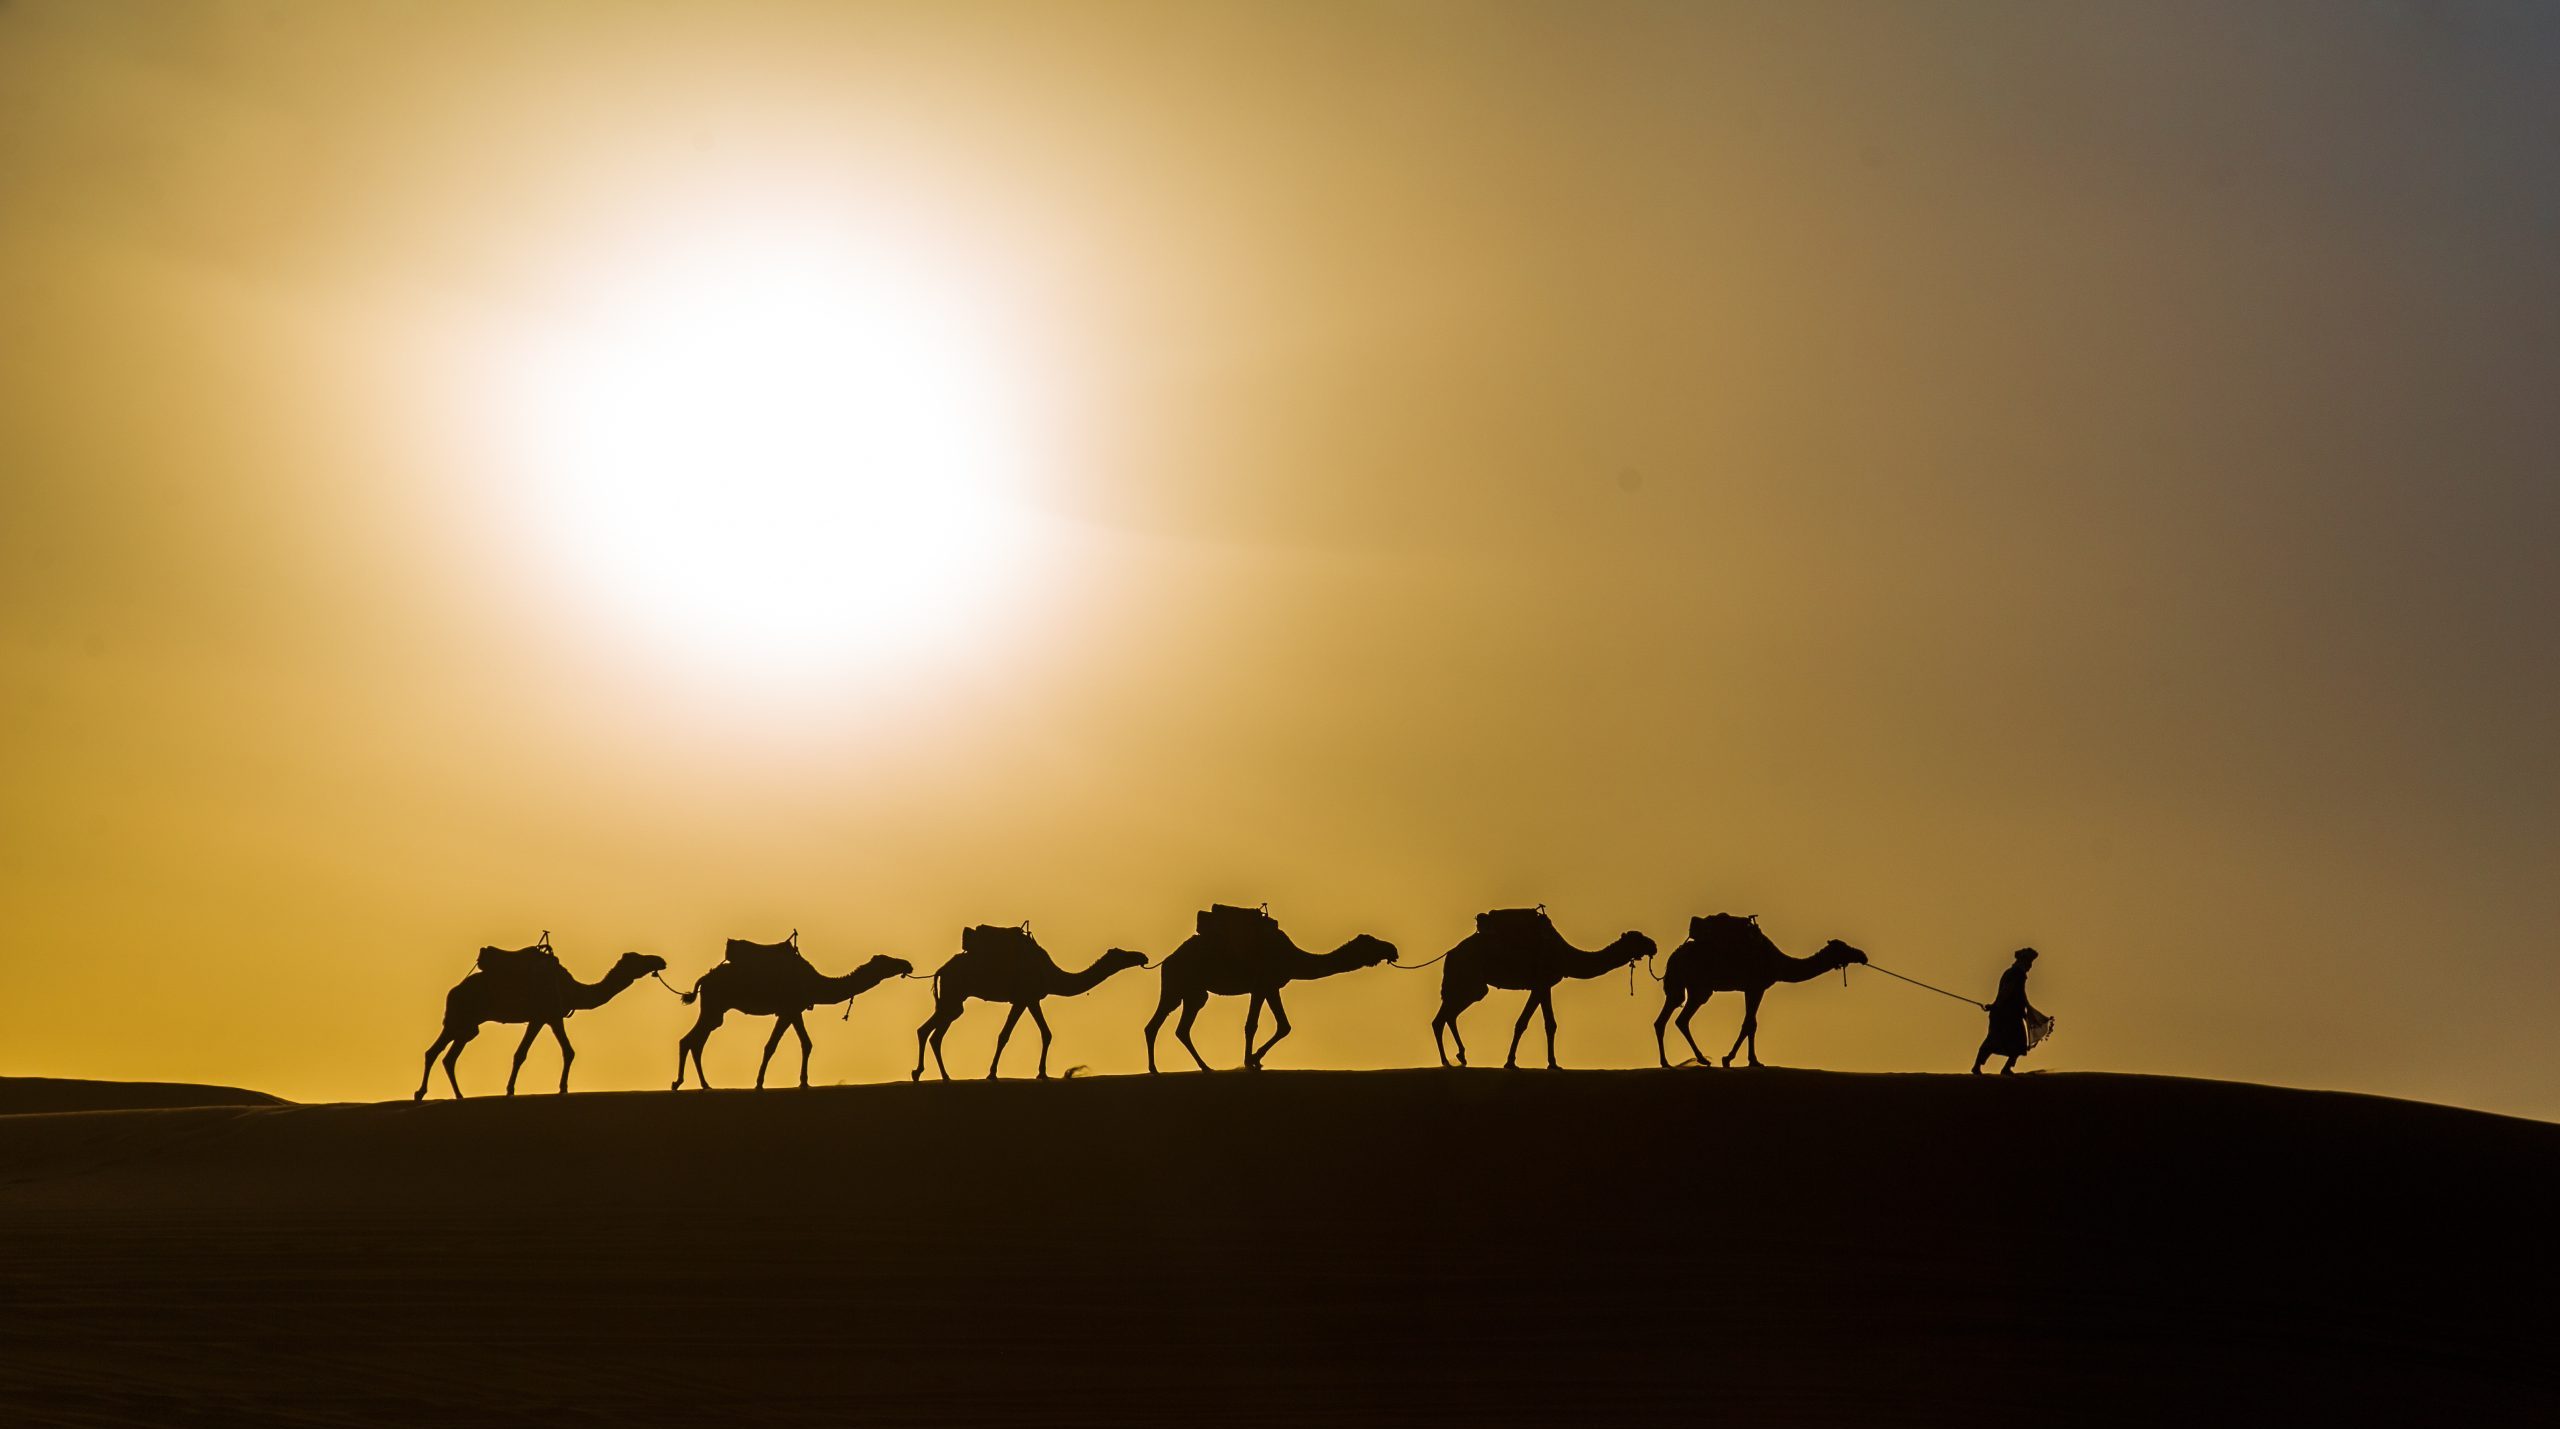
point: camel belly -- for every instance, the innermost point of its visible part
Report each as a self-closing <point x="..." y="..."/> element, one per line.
<point x="1233" y="986"/>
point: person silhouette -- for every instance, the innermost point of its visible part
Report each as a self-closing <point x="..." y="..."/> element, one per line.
<point x="2009" y="1011"/>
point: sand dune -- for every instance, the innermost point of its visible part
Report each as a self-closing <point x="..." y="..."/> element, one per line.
<point x="1400" y="1247"/>
<point x="21" y="1096"/>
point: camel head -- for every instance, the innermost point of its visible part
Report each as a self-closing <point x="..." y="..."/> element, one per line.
<point x="1837" y="954"/>
<point x="1119" y="960"/>
<point x="1366" y="951"/>
<point x="885" y="967"/>
<point x="638" y="965"/>
<point x="1631" y="947"/>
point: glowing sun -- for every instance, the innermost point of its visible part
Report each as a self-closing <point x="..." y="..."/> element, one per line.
<point x="777" y="449"/>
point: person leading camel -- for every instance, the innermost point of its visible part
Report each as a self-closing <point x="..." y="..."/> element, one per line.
<point x="535" y="990"/>
<point x="2009" y="1011"/>
<point x="776" y="982"/>
<point x="1725" y="952"/>
<point x="1006" y="965"/>
<point x="1241" y="952"/>
<point x="1520" y="949"/>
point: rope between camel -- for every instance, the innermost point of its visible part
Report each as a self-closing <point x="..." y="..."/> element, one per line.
<point x="1416" y="967"/>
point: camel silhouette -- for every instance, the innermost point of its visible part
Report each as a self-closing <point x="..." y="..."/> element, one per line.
<point x="782" y="988"/>
<point x="1521" y="950"/>
<point x="1247" y="957"/>
<point x="1006" y="965"/>
<point x="1728" y="953"/>
<point x="537" y="996"/>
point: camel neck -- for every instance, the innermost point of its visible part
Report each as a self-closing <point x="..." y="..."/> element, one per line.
<point x="1795" y="969"/>
<point x="596" y="994"/>
<point x="1309" y="966"/>
<point x="1581" y="964"/>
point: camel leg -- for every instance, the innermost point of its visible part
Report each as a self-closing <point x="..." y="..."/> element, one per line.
<point x="700" y="1076"/>
<point x="568" y="1054"/>
<point x="1547" y="1006"/>
<point x="1670" y="999"/>
<point x="1002" y="1036"/>
<point x="1528" y="1010"/>
<point x="1252" y="1022"/>
<point x="923" y="1028"/>
<point x="1182" y="1030"/>
<point x="691" y="1044"/>
<point x="427" y="1073"/>
<point x="942" y="1029"/>
<point x="531" y="1031"/>
<point x="453" y="1054"/>
<point x="1165" y="1001"/>
<point x="1279" y="1029"/>
<point x="1450" y="1007"/>
<point x="780" y="1026"/>
<point x="1750" y="1026"/>
<point x="1041" y="1022"/>
<point x="802" y="1029"/>
<point x="1696" y="1001"/>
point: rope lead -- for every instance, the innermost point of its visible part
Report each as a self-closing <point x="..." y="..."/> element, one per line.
<point x="1915" y="982"/>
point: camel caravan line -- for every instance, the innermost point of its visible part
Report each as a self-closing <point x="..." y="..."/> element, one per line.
<point x="1231" y="952"/>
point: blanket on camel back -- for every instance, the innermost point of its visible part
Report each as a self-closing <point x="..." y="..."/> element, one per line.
<point x="766" y="957"/>
<point x="1000" y="944"/>
<point x="1228" y="920"/>
<point x="528" y="962"/>
<point x="1514" y="922"/>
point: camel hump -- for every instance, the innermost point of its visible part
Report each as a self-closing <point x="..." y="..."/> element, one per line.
<point x="526" y="963"/>
<point x="1713" y="923"/>
<point x="1001" y="943"/>
<point x="1225" y="920"/>
<point x="766" y="957"/>
<point x="1513" y="922"/>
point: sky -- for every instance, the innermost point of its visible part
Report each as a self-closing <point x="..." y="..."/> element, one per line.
<point x="1943" y="477"/>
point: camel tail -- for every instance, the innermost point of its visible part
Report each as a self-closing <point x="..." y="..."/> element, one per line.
<point x="689" y="994"/>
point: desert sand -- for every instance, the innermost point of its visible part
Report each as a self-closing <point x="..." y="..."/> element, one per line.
<point x="1386" y="1247"/>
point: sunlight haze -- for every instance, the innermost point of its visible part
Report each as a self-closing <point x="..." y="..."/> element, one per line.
<point x="1946" y="478"/>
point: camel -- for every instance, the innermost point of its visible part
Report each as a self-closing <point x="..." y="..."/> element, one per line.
<point x="782" y="989"/>
<point x="1247" y="957"/>
<point x="1006" y="965"/>
<point x="538" y="997"/>
<point x="1728" y="953"/>
<point x="1519" y="949"/>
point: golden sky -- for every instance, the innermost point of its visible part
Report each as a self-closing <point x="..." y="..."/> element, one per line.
<point x="1943" y="477"/>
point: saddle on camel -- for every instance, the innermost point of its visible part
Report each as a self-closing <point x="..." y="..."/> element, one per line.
<point x="766" y="957"/>
<point x="522" y="964"/>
